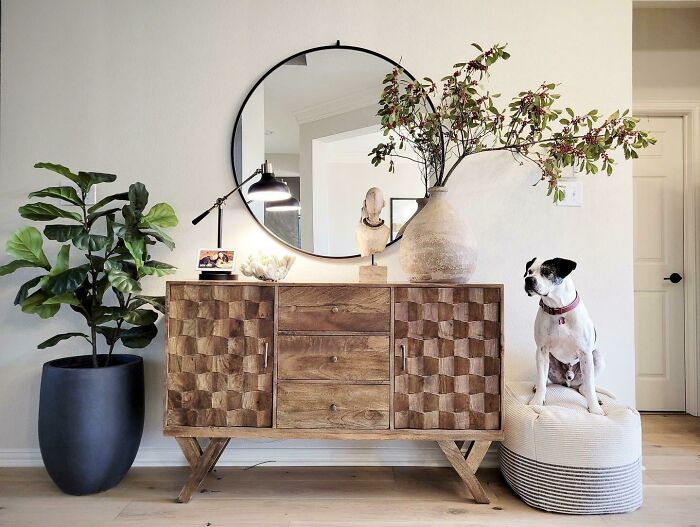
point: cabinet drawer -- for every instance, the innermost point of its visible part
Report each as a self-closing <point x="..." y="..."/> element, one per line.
<point x="323" y="405"/>
<point x="334" y="308"/>
<point x="342" y="358"/>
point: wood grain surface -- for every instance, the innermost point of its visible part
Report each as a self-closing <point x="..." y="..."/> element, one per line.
<point x="332" y="405"/>
<point x="334" y="308"/>
<point x="343" y="358"/>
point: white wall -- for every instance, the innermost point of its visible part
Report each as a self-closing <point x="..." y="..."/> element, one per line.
<point x="666" y="54"/>
<point x="150" y="90"/>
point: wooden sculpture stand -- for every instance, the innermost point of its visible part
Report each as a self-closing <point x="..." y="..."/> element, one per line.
<point x="334" y="361"/>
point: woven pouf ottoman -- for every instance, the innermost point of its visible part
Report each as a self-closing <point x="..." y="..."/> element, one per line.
<point x="561" y="458"/>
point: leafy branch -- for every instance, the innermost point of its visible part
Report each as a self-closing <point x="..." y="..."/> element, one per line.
<point x="466" y="121"/>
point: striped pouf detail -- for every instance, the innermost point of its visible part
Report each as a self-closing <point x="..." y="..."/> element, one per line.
<point x="560" y="458"/>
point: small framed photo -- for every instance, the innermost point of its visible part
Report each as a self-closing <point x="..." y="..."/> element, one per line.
<point x="216" y="260"/>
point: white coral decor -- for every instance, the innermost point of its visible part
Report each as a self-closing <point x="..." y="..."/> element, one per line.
<point x="267" y="267"/>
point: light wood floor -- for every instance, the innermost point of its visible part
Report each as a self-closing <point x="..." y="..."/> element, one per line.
<point x="344" y="497"/>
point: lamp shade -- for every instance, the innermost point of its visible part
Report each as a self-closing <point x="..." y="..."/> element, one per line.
<point x="289" y="204"/>
<point x="269" y="188"/>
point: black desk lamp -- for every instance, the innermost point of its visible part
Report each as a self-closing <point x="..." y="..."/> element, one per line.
<point x="269" y="188"/>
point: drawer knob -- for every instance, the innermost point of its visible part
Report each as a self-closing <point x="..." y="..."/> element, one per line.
<point x="334" y="309"/>
<point x="333" y="407"/>
<point x="334" y="359"/>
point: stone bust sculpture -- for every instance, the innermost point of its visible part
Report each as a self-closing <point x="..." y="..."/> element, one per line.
<point x="372" y="233"/>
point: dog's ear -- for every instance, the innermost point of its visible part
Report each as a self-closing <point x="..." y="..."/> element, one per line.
<point x="528" y="264"/>
<point x="563" y="267"/>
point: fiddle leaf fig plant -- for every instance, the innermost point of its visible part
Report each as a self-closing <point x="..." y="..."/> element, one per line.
<point x="466" y="120"/>
<point x="99" y="267"/>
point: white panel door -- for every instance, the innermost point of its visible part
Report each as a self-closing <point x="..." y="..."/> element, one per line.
<point x="658" y="252"/>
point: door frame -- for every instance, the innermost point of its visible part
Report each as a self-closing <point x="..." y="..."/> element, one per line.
<point x="689" y="111"/>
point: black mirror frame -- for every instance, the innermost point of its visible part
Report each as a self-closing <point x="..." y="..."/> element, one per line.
<point x="337" y="45"/>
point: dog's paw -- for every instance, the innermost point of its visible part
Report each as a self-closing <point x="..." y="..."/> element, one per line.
<point x="596" y="409"/>
<point x="536" y="400"/>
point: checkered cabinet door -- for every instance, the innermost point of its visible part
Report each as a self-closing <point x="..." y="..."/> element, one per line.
<point x="447" y="357"/>
<point x="217" y="374"/>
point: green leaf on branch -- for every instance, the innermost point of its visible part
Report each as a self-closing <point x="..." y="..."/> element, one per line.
<point x="121" y="281"/>
<point x="108" y="314"/>
<point x="138" y="197"/>
<point x="95" y="215"/>
<point x="92" y="242"/>
<point x="141" y="317"/>
<point x="155" y="268"/>
<point x="104" y="201"/>
<point x="67" y="281"/>
<point x="79" y="179"/>
<point x="26" y="243"/>
<point x="62" y="233"/>
<point x="161" y="237"/>
<point x="63" y="193"/>
<point x="46" y="212"/>
<point x="160" y="215"/>
<point x="158" y="302"/>
<point x="136" y="249"/>
<point x="58" y="338"/>
<point x="110" y="334"/>
<point x="139" y="336"/>
<point x="14" y="265"/>
<point x="23" y="292"/>
<point x="64" y="298"/>
<point x="98" y="177"/>
<point x="34" y="304"/>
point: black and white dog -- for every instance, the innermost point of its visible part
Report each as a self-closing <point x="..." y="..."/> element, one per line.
<point x="564" y="333"/>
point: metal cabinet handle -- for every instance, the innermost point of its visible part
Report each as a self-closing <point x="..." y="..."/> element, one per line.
<point x="333" y="407"/>
<point x="267" y="345"/>
<point x="403" y="357"/>
<point x="334" y="359"/>
<point x="334" y="309"/>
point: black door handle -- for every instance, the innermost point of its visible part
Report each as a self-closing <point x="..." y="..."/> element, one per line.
<point x="674" y="278"/>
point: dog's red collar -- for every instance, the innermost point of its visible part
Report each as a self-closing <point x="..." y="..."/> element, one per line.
<point x="560" y="310"/>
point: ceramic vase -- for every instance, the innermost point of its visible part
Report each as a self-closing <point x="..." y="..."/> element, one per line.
<point x="437" y="246"/>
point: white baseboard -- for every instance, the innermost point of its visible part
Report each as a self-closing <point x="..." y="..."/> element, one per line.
<point x="286" y="457"/>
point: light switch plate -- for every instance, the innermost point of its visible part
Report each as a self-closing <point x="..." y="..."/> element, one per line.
<point x="573" y="193"/>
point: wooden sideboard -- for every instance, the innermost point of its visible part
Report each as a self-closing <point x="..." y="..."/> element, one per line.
<point x="334" y="361"/>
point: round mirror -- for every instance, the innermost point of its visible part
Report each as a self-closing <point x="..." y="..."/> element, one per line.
<point x="313" y="118"/>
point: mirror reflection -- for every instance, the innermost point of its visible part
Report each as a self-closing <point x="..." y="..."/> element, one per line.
<point x="314" y="118"/>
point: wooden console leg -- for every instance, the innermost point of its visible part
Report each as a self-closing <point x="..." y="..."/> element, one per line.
<point x="204" y="465"/>
<point x="191" y="449"/>
<point x="456" y="459"/>
<point x="476" y="453"/>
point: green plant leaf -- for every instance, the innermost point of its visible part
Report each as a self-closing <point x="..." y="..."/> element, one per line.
<point x="155" y="268"/>
<point x="138" y="197"/>
<point x="62" y="233"/>
<point x="34" y="303"/>
<point x="46" y="212"/>
<point x="67" y="281"/>
<point x="92" y="242"/>
<point x="62" y="261"/>
<point x="141" y="317"/>
<point x="14" y="265"/>
<point x="79" y="179"/>
<point x="110" y="334"/>
<point x="159" y="235"/>
<point x="136" y="249"/>
<point x="63" y="193"/>
<point x="121" y="281"/>
<point x="160" y="215"/>
<point x="95" y="215"/>
<point x="26" y="243"/>
<point x="58" y="338"/>
<point x="108" y="199"/>
<point x="139" y="336"/>
<point x="108" y="314"/>
<point x="158" y="302"/>
<point x="65" y="298"/>
<point x="24" y="290"/>
<point x="98" y="177"/>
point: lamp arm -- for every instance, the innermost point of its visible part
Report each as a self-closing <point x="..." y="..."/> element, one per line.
<point x="220" y="201"/>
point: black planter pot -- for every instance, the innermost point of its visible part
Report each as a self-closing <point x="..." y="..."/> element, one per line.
<point x="90" y="421"/>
